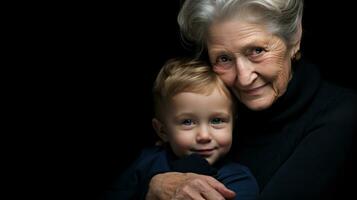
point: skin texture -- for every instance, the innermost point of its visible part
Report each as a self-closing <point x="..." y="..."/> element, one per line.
<point x="252" y="62"/>
<point x="256" y="65"/>
<point x="198" y="123"/>
<point x="179" y="186"/>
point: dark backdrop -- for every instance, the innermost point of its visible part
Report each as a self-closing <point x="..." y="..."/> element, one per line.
<point x="108" y="58"/>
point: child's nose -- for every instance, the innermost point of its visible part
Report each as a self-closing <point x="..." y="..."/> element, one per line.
<point x="203" y="135"/>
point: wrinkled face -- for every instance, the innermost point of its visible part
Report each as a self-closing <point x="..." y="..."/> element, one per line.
<point x="254" y="63"/>
<point x="198" y="123"/>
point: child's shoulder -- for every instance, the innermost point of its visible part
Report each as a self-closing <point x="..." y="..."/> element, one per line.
<point x="150" y="161"/>
<point x="152" y="151"/>
<point x="230" y="168"/>
<point x="151" y="154"/>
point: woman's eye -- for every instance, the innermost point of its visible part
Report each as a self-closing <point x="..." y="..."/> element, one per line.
<point x="223" y="62"/>
<point x="223" y="59"/>
<point x="257" y="51"/>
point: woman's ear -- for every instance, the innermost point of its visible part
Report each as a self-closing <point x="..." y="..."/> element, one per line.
<point x="295" y="50"/>
<point x="159" y="129"/>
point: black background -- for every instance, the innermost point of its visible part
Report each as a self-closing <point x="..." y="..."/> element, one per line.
<point x="101" y="62"/>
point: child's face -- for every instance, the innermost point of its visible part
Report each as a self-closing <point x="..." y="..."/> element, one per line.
<point x="202" y="124"/>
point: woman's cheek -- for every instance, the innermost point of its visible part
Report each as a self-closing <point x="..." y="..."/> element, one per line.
<point x="228" y="77"/>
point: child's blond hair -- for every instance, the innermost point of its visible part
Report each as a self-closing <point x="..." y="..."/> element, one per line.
<point x="185" y="75"/>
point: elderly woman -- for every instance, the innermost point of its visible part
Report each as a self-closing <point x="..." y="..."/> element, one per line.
<point x="294" y="130"/>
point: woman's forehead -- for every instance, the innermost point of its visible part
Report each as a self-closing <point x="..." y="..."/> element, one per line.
<point x="237" y="33"/>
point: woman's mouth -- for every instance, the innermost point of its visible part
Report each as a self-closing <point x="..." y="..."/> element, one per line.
<point x="254" y="91"/>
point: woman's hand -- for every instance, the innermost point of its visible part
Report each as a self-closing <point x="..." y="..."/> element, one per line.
<point x="174" y="185"/>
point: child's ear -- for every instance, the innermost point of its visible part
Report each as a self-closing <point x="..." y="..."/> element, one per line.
<point x="159" y="129"/>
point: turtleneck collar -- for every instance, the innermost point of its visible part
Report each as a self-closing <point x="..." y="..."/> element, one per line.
<point x="301" y="89"/>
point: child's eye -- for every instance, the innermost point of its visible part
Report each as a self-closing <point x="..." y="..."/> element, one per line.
<point x="216" y="121"/>
<point x="187" y="122"/>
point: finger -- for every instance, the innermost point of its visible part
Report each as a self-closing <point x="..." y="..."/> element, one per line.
<point x="199" y="188"/>
<point x="188" y="193"/>
<point x="212" y="195"/>
<point x="220" y="188"/>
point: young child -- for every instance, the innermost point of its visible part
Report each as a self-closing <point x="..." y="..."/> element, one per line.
<point x="194" y="114"/>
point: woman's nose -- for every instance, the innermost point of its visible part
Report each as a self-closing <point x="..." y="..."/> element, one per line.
<point x="245" y="72"/>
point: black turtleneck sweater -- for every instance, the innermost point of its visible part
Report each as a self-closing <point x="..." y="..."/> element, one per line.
<point x="303" y="147"/>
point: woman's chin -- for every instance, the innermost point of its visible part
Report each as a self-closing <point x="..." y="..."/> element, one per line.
<point x="257" y="104"/>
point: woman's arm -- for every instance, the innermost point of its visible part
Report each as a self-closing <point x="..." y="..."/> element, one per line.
<point x="174" y="185"/>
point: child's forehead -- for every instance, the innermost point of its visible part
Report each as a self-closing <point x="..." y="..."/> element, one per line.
<point x="205" y="91"/>
<point x="204" y="88"/>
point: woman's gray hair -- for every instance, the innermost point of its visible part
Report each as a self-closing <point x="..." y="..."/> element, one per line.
<point x="281" y="17"/>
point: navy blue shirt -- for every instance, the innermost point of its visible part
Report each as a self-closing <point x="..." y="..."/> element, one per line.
<point x="133" y="183"/>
